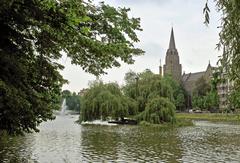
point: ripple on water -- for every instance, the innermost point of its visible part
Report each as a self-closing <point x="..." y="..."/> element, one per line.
<point x="214" y="142"/>
<point x="62" y="140"/>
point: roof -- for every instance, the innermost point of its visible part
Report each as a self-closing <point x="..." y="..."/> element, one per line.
<point x="192" y="76"/>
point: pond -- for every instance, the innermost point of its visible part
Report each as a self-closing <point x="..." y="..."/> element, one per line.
<point x="63" y="140"/>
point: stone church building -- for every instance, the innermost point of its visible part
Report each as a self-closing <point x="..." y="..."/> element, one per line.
<point x="173" y="67"/>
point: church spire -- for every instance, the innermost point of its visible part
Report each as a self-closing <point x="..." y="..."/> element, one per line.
<point x="172" y="64"/>
<point x="172" y="41"/>
<point x="209" y="65"/>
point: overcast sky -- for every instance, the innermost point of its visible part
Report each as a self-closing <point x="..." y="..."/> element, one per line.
<point x="195" y="42"/>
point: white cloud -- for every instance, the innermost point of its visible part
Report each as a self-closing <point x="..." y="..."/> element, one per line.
<point x="195" y="42"/>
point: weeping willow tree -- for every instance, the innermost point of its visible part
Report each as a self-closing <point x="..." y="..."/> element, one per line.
<point x="139" y="97"/>
<point x="158" y="110"/>
<point x="144" y="86"/>
<point x="155" y="96"/>
<point x="106" y="100"/>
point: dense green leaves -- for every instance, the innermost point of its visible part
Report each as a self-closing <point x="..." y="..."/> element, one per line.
<point x="146" y="85"/>
<point x="229" y="38"/>
<point x="206" y="12"/>
<point x="35" y="33"/>
<point x="145" y="96"/>
<point x="179" y="93"/>
<point x="229" y="41"/>
<point x="106" y="100"/>
<point x="158" y="110"/>
<point x="208" y="102"/>
<point x="205" y="96"/>
<point x="73" y="101"/>
<point x="157" y="97"/>
<point x="234" y="100"/>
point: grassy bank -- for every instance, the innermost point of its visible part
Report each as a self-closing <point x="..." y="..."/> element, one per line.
<point x="179" y="123"/>
<point x="224" y="117"/>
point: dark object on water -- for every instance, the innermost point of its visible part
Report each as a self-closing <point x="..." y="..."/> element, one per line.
<point x="124" y="121"/>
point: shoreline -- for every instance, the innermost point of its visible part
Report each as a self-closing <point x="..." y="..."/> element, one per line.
<point x="214" y="117"/>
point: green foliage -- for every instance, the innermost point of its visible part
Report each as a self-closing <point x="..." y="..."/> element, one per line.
<point x="208" y="102"/>
<point x="73" y="102"/>
<point x="216" y="79"/>
<point x="29" y="91"/>
<point x="198" y="102"/>
<point x="33" y="35"/>
<point x="206" y="12"/>
<point x="179" y="93"/>
<point x="208" y="117"/>
<point x="131" y="87"/>
<point x="156" y="96"/>
<point x="205" y="96"/>
<point x="149" y="85"/>
<point x="144" y="86"/>
<point x="229" y="39"/>
<point x="147" y="96"/>
<point x="66" y="93"/>
<point x="212" y="100"/>
<point x="234" y="100"/>
<point x="106" y="100"/>
<point x="158" y="110"/>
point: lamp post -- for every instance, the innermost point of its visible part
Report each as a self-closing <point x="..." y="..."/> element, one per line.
<point x="137" y="78"/>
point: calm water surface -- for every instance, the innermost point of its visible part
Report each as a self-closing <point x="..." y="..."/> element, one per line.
<point x="62" y="140"/>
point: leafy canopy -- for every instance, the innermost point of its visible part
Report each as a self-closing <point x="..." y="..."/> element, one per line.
<point x="144" y="86"/>
<point x="158" y="110"/>
<point x="229" y="37"/>
<point x="35" y="33"/>
<point x="205" y="95"/>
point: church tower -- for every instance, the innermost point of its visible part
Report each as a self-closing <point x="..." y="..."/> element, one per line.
<point x="172" y="66"/>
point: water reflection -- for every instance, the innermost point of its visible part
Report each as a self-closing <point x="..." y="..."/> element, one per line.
<point x="62" y="140"/>
<point x="130" y="143"/>
<point x="211" y="142"/>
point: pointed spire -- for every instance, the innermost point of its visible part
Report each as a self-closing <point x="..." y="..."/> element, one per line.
<point x="172" y="41"/>
<point x="209" y="63"/>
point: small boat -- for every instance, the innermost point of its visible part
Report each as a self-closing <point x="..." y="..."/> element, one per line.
<point x="124" y="121"/>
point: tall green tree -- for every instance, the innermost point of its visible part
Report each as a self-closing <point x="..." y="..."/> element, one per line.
<point x="179" y="93"/>
<point x="66" y="93"/>
<point x="229" y="38"/>
<point x="205" y="96"/>
<point x="144" y="86"/>
<point x="35" y="33"/>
